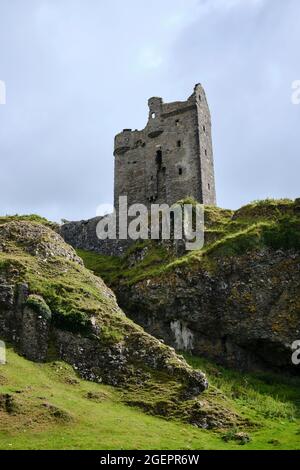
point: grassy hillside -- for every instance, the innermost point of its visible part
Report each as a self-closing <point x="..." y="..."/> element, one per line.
<point x="46" y="406"/>
<point x="28" y="218"/>
<point x="269" y="224"/>
<point x="87" y="328"/>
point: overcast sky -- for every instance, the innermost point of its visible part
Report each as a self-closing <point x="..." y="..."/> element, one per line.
<point x="78" y="72"/>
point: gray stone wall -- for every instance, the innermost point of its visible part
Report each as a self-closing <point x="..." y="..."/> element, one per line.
<point x="170" y="159"/>
<point x="83" y="235"/>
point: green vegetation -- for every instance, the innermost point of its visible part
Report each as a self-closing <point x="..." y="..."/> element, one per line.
<point x="28" y="218"/>
<point x="46" y="406"/>
<point x="51" y="269"/>
<point x="285" y="234"/>
<point x="114" y="270"/>
<point x="109" y="267"/>
<point x="77" y="301"/>
<point x="262" y="395"/>
<point x="273" y="224"/>
<point x="38" y="304"/>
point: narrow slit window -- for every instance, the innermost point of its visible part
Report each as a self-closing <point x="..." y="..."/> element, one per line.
<point x="178" y="143"/>
<point x="180" y="171"/>
<point x="159" y="158"/>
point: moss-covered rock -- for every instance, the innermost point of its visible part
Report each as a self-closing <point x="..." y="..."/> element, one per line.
<point x="51" y="305"/>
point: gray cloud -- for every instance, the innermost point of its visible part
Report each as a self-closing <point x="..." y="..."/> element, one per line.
<point x="78" y="72"/>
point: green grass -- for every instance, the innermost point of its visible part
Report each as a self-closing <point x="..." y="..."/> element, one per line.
<point x="113" y="269"/>
<point x="28" y="218"/>
<point x="109" y="267"/>
<point x="263" y="395"/>
<point x="62" y="289"/>
<point x="53" y="409"/>
<point x="271" y="224"/>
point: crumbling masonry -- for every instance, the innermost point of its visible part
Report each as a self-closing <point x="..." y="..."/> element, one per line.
<point x="171" y="159"/>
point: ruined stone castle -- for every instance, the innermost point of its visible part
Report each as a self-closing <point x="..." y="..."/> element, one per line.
<point x="169" y="160"/>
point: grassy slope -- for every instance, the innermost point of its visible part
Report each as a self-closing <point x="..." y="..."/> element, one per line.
<point x="52" y="411"/>
<point x="271" y="224"/>
<point x="78" y="422"/>
<point x="76" y="298"/>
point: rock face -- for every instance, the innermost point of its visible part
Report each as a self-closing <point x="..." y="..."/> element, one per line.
<point x="243" y="312"/>
<point x="83" y="235"/>
<point x="51" y="304"/>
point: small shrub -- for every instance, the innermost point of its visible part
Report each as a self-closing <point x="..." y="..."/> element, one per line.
<point x="241" y="438"/>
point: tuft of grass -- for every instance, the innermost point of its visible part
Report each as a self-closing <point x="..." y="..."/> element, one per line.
<point x="261" y="395"/>
<point x="28" y="218"/>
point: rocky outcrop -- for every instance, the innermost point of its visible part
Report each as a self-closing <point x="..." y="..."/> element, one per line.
<point x="51" y="304"/>
<point x="241" y="311"/>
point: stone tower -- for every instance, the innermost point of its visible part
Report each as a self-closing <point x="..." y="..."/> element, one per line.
<point x="171" y="158"/>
